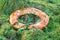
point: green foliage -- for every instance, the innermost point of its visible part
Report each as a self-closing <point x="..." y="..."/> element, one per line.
<point x="28" y="19"/>
<point x="2" y="38"/>
<point x="50" y="7"/>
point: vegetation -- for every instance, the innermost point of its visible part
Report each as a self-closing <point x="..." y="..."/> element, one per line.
<point x="50" y="7"/>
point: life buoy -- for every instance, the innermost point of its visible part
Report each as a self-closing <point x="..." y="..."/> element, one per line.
<point x="15" y="15"/>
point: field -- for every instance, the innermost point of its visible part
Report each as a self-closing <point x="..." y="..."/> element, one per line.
<point x="50" y="32"/>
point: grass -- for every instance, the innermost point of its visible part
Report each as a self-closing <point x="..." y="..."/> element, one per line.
<point x="50" y="7"/>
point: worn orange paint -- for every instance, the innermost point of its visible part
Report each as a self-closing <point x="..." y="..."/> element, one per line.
<point x="15" y="15"/>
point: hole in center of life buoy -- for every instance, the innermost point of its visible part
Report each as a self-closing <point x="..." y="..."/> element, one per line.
<point x="28" y="19"/>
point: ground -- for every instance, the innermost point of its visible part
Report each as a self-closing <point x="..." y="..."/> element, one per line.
<point x="50" y="32"/>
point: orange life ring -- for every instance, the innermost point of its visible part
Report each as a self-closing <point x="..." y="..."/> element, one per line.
<point x="15" y="15"/>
